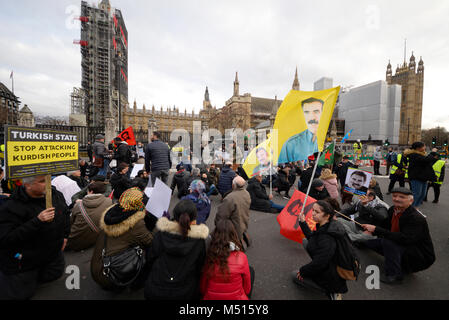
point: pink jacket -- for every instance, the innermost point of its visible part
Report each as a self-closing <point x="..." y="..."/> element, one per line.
<point x="331" y="186"/>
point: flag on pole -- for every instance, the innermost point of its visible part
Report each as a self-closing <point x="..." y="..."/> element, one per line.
<point x="288" y="218"/>
<point x="328" y="156"/>
<point x="128" y="136"/>
<point x="346" y="136"/>
<point x="302" y="122"/>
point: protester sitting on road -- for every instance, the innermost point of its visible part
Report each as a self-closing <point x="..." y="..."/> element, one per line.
<point x="306" y="177"/>
<point x="85" y="217"/>
<point x="368" y="209"/>
<point x="330" y="183"/>
<point x="32" y="239"/>
<point x="226" y="273"/>
<point x="321" y="273"/>
<point x="210" y="187"/>
<point x="373" y="184"/>
<point x="66" y="186"/>
<point x="260" y="201"/>
<point x="403" y="239"/>
<point x="120" y="181"/>
<point x="83" y="165"/>
<point x="177" y="256"/>
<point x="142" y="174"/>
<point x="342" y="170"/>
<point x="180" y="181"/>
<point x="225" y="181"/>
<point x="81" y="194"/>
<point x="214" y="173"/>
<point x="318" y="190"/>
<point x="200" y="199"/>
<point x="235" y="207"/>
<point x="282" y="182"/>
<point x="123" y="227"/>
<point x="76" y="176"/>
<point x="194" y="175"/>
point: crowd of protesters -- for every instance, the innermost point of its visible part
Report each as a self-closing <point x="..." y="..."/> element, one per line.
<point x="101" y="206"/>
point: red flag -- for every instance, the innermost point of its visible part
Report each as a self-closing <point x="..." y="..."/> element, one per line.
<point x="288" y="218"/>
<point x="128" y="136"/>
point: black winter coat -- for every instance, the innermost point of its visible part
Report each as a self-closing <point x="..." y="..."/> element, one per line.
<point x="120" y="183"/>
<point x="225" y="181"/>
<point x="21" y="232"/>
<point x="306" y="177"/>
<point x="180" y="181"/>
<point x="322" y="247"/>
<point x="319" y="195"/>
<point x="259" y="197"/>
<point x="420" y="166"/>
<point x="367" y="215"/>
<point x="157" y="156"/>
<point x="176" y="263"/>
<point x="414" y="236"/>
<point x="123" y="153"/>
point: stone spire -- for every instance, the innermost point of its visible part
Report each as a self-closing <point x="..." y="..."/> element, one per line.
<point x="236" y="85"/>
<point x="206" y="95"/>
<point x="296" y="81"/>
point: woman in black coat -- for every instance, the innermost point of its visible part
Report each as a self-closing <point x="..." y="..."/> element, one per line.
<point x="177" y="256"/>
<point x="321" y="272"/>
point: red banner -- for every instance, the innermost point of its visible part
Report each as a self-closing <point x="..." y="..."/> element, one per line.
<point x="288" y="218"/>
<point x="128" y="136"/>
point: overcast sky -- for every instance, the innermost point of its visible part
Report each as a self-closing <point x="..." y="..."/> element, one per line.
<point x="177" y="48"/>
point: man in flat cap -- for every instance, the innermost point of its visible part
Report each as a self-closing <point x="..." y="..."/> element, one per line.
<point x="403" y="239"/>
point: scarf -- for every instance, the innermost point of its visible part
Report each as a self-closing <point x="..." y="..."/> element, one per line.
<point x="197" y="187"/>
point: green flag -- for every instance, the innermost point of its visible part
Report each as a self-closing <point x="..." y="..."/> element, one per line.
<point x="328" y="155"/>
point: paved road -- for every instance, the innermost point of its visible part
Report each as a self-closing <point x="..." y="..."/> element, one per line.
<point x="275" y="257"/>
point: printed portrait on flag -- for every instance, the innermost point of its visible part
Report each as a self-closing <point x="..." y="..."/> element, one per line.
<point x="357" y="181"/>
<point x="302" y="123"/>
<point x="260" y="159"/>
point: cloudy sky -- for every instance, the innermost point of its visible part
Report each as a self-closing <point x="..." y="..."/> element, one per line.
<point x="177" y="48"/>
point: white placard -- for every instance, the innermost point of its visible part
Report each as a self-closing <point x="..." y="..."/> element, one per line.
<point x="149" y="191"/>
<point x="136" y="169"/>
<point x="159" y="199"/>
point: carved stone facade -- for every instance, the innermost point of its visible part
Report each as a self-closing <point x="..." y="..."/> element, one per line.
<point x="411" y="78"/>
<point x="240" y="111"/>
<point x="26" y="118"/>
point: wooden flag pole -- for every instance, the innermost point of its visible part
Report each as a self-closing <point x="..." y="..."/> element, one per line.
<point x="48" y="198"/>
<point x="349" y="218"/>
<point x="310" y="184"/>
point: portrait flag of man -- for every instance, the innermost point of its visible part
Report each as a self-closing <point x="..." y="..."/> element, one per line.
<point x="302" y="122"/>
<point x="260" y="159"/>
<point x="128" y="136"/>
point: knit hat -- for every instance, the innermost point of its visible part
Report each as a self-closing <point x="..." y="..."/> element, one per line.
<point x="132" y="200"/>
<point x="99" y="137"/>
<point x="317" y="183"/>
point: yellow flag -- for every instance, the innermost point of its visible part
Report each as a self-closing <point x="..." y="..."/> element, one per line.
<point x="302" y="122"/>
<point x="260" y="159"/>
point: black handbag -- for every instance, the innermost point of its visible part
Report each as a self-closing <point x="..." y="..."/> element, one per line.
<point x="123" y="268"/>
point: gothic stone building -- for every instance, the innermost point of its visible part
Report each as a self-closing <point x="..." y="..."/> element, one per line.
<point x="240" y="111"/>
<point x="412" y="81"/>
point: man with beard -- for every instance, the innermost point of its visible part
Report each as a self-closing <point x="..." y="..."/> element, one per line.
<point x="302" y="145"/>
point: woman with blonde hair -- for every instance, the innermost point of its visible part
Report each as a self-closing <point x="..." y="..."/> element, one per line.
<point x="330" y="183"/>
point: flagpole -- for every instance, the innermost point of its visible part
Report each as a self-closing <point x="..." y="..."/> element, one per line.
<point x="310" y="184"/>
<point x="333" y="152"/>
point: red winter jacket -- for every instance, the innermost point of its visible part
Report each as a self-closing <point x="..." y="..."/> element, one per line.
<point x="238" y="285"/>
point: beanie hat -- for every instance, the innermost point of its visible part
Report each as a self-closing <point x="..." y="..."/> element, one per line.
<point x="317" y="183"/>
<point x="99" y="137"/>
<point x="132" y="200"/>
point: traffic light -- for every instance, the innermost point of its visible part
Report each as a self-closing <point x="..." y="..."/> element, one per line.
<point x="387" y="143"/>
<point x="434" y="141"/>
<point x="445" y="143"/>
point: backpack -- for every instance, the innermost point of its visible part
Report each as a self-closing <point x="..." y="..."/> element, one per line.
<point x="346" y="258"/>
